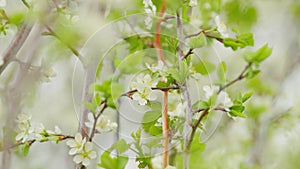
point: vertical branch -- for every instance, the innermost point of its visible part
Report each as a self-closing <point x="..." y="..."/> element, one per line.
<point x="165" y="129"/>
<point x="14" y="89"/>
<point x="160" y="56"/>
<point x="186" y="95"/>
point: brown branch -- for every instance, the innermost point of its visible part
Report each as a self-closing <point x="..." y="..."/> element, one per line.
<point x="131" y="92"/>
<point x="188" y="53"/>
<point x="96" y="119"/>
<point x="30" y="142"/>
<point x="195" y="126"/>
<point x="15" y="46"/>
<point x="240" y="77"/>
<point x="206" y="34"/>
<point x="160" y="56"/>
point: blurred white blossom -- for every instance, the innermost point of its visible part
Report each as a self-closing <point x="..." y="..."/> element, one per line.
<point x="223" y="98"/>
<point x="2" y="3"/>
<point x="221" y="27"/>
<point x="150" y="10"/>
<point x="76" y="144"/>
<point x="179" y="110"/>
<point x="157" y="163"/>
<point x="85" y="155"/>
<point x="193" y="3"/>
<point x="25" y="130"/>
<point x="103" y="123"/>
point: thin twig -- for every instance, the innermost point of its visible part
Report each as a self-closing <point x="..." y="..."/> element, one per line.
<point x="188" y="53"/>
<point x="15" y="46"/>
<point x="240" y="77"/>
<point x="130" y="93"/>
<point x="96" y="119"/>
<point x="52" y="33"/>
<point x="206" y="34"/>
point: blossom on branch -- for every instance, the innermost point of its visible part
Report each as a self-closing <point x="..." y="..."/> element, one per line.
<point x="103" y="124"/>
<point x="76" y="144"/>
<point x="85" y="155"/>
<point x="221" y="27"/>
<point x="143" y="85"/>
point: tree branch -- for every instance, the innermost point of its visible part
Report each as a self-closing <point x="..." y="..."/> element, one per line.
<point x="159" y="51"/>
<point x="96" y="119"/>
<point x="15" y="45"/>
<point x="240" y="77"/>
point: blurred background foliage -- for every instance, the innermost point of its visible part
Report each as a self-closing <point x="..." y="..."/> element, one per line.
<point x="267" y="139"/>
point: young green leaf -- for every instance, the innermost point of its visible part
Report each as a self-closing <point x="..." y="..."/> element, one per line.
<point x="198" y="41"/>
<point x="221" y="71"/>
<point x="205" y="67"/>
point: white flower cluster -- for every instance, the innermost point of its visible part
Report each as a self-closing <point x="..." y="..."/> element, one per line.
<point x="103" y="123"/>
<point x="82" y="149"/>
<point x="150" y="10"/>
<point x="159" y="69"/>
<point x="143" y="85"/>
<point x="176" y="105"/>
<point x="157" y="163"/>
<point x="222" y="98"/>
<point x="28" y="132"/>
<point x="221" y="27"/>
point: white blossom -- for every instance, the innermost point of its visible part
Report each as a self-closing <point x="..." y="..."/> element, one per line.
<point x="57" y="130"/>
<point x="179" y="110"/>
<point x="210" y="90"/>
<point x="85" y="155"/>
<point x="26" y="133"/>
<point x="193" y="3"/>
<point x="103" y="123"/>
<point x="76" y="144"/>
<point x="2" y="3"/>
<point x="150" y="10"/>
<point x="23" y="118"/>
<point x="221" y="27"/>
<point x="143" y="84"/>
<point x="223" y="98"/>
<point x="38" y="131"/>
<point x="157" y="163"/>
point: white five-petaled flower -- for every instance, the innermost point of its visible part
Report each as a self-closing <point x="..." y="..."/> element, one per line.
<point x="143" y="84"/>
<point x="222" y="99"/>
<point x="26" y="132"/>
<point x="85" y="155"/>
<point x="160" y="69"/>
<point x="38" y="131"/>
<point x="210" y="90"/>
<point x="76" y="144"/>
<point x="221" y="27"/>
<point x="23" y="118"/>
<point x="103" y="123"/>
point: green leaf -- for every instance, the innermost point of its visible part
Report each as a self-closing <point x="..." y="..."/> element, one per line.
<point x="247" y="96"/>
<point x="130" y="64"/>
<point x="92" y="107"/>
<point x="201" y="105"/>
<point x="221" y="71"/>
<point x="108" y="162"/>
<point x="198" y="41"/>
<point x="121" y="146"/>
<point x="235" y="113"/>
<point x="25" y="149"/>
<point x="258" y="56"/>
<point x="151" y="116"/>
<point x="246" y="39"/>
<point x="205" y="68"/>
<point x="155" y="130"/>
